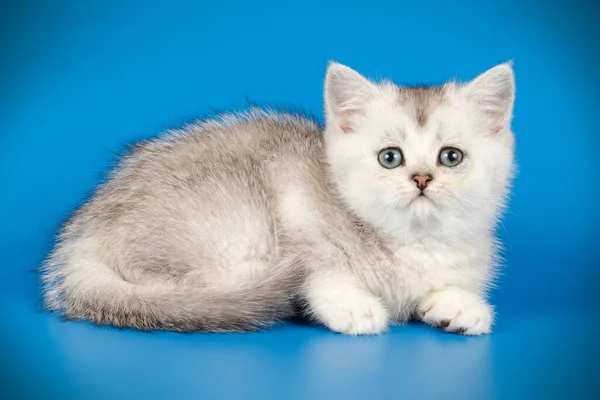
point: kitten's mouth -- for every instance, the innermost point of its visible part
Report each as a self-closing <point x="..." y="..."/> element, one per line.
<point x="421" y="197"/>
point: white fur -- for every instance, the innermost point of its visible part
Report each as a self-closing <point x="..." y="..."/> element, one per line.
<point x="223" y="225"/>
<point x="456" y="309"/>
<point x="343" y="306"/>
<point x="444" y="246"/>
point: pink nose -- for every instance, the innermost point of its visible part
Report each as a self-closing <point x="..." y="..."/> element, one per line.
<point x="422" y="181"/>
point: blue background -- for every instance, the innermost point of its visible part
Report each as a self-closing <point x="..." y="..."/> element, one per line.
<point x="81" y="79"/>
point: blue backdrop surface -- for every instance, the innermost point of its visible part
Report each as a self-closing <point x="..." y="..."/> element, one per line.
<point x="80" y="79"/>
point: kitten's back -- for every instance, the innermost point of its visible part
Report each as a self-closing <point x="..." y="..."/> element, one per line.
<point x="182" y="236"/>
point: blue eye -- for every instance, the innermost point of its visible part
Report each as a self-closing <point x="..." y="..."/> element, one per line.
<point x="450" y="156"/>
<point x="391" y="158"/>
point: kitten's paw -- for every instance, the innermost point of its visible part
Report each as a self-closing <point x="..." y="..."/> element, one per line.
<point x="362" y="315"/>
<point x="457" y="311"/>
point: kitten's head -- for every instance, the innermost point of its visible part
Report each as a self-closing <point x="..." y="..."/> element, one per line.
<point x="421" y="160"/>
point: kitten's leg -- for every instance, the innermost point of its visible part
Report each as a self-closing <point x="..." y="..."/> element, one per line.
<point x="458" y="311"/>
<point x="338" y="301"/>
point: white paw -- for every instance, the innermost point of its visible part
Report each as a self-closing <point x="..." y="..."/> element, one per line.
<point x="457" y="311"/>
<point x="362" y="315"/>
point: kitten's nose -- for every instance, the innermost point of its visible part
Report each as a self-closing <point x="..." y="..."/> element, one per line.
<point x="422" y="181"/>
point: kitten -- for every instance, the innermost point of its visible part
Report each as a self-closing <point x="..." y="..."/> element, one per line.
<point x="386" y="214"/>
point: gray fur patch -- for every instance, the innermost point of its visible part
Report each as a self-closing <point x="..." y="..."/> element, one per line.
<point x="422" y="100"/>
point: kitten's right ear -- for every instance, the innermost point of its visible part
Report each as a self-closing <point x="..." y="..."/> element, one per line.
<point x="346" y="94"/>
<point x="493" y="93"/>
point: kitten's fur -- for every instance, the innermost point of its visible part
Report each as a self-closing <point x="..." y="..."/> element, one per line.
<point x="228" y="224"/>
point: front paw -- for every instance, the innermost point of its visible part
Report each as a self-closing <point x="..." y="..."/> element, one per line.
<point x="457" y="311"/>
<point x="358" y="315"/>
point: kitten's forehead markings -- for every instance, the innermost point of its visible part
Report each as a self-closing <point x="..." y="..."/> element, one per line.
<point x="422" y="99"/>
<point x="393" y="137"/>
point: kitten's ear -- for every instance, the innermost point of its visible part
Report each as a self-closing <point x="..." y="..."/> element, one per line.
<point x="346" y="94"/>
<point x="493" y="93"/>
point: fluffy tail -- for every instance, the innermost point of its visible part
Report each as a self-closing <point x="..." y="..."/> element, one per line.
<point x="98" y="294"/>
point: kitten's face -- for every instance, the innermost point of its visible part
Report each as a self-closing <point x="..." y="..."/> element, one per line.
<point x="412" y="160"/>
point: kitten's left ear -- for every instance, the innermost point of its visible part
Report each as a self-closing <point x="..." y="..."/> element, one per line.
<point x="493" y="93"/>
<point x="346" y="95"/>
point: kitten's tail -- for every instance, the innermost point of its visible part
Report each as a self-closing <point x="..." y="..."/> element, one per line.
<point x="99" y="294"/>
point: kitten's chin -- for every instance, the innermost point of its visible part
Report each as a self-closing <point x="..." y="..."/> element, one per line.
<point x="422" y="206"/>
